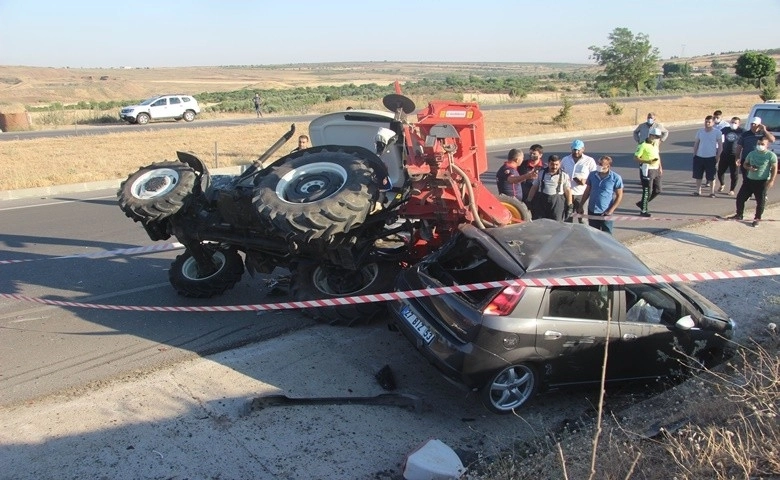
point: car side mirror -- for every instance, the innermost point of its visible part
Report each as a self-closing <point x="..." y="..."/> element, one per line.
<point x="685" y="323"/>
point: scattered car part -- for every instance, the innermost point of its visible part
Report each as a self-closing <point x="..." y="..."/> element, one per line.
<point x="403" y="400"/>
<point x="433" y="460"/>
<point x="386" y="378"/>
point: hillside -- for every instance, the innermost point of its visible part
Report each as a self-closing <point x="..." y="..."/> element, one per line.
<point x="40" y="85"/>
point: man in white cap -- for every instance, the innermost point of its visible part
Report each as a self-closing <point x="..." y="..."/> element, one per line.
<point x="761" y="166"/>
<point x="748" y="140"/>
<point x="578" y="167"/>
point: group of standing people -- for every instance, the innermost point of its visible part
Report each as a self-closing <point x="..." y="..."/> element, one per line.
<point x="731" y="147"/>
<point x="562" y="186"/>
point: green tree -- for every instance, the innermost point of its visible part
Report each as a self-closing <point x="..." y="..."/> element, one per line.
<point x="672" y="69"/>
<point x="755" y="66"/>
<point x="628" y="60"/>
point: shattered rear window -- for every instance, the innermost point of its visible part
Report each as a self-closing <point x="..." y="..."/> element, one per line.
<point x="465" y="261"/>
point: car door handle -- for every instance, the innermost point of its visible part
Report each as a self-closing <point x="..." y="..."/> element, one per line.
<point x="552" y="335"/>
<point x="629" y="336"/>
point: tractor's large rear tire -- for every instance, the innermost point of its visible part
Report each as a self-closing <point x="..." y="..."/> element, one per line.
<point x="313" y="281"/>
<point x="187" y="279"/>
<point x="156" y="191"/>
<point x="317" y="195"/>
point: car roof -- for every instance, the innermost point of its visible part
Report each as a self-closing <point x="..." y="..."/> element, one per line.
<point x="545" y="248"/>
<point x="170" y="95"/>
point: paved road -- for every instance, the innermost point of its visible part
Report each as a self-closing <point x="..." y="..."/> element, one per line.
<point x="44" y="349"/>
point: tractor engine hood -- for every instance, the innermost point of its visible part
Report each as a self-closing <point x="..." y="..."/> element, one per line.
<point x="359" y="128"/>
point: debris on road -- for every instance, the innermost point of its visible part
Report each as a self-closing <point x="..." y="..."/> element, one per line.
<point x="433" y="460"/>
<point x="386" y="378"/>
<point x="403" y="400"/>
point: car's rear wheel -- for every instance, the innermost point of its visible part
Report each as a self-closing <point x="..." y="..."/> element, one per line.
<point x="510" y="388"/>
<point x="314" y="281"/>
<point x="189" y="279"/>
<point x="142" y="119"/>
<point x="518" y="209"/>
<point x="189" y="116"/>
<point x="156" y="191"/>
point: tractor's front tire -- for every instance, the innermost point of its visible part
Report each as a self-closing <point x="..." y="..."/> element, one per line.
<point x="518" y="209"/>
<point x="188" y="279"/>
<point x="157" y="191"/>
<point x="313" y="281"/>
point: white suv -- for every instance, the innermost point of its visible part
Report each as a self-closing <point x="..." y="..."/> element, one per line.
<point x="769" y="113"/>
<point x="161" y="107"/>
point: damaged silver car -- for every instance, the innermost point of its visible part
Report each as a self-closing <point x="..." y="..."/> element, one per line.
<point x="509" y="342"/>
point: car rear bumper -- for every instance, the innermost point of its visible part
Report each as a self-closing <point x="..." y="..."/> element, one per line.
<point x="463" y="362"/>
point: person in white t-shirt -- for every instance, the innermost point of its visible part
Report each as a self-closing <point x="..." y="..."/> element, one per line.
<point x="706" y="149"/>
<point x="578" y="167"/>
<point x="719" y="124"/>
<point x="718" y="121"/>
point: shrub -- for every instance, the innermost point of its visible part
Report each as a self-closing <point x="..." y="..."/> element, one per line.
<point x="564" y="114"/>
<point x="614" y="108"/>
<point x="769" y="92"/>
<point x="53" y="117"/>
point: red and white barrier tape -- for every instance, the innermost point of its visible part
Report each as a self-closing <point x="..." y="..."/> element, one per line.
<point x="630" y="218"/>
<point x="108" y="253"/>
<point x="382" y="297"/>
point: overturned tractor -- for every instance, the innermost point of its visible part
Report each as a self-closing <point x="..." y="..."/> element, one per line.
<point x="376" y="193"/>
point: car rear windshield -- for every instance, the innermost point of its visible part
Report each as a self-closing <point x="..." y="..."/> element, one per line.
<point x="465" y="261"/>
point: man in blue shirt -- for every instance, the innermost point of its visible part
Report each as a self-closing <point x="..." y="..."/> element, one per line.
<point x="605" y="191"/>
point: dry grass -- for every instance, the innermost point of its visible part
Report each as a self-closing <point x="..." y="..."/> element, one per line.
<point x="721" y="424"/>
<point x="65" y="160"/>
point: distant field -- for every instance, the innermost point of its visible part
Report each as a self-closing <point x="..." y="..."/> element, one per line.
<point x="42" y="86"/>
<point x="59" y="161"/>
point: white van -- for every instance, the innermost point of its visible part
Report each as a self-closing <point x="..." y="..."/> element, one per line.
<point x="769" y="112"/>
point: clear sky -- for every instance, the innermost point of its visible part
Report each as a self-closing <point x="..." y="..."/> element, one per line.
<point x="175" y="33"/>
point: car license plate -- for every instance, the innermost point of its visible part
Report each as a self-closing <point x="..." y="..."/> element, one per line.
<point x="418" y="326"/>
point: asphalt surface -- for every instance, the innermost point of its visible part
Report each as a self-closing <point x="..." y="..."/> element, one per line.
<point x="45" y="349"/>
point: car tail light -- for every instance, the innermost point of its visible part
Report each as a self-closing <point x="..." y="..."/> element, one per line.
<point x="504" y="302"/>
